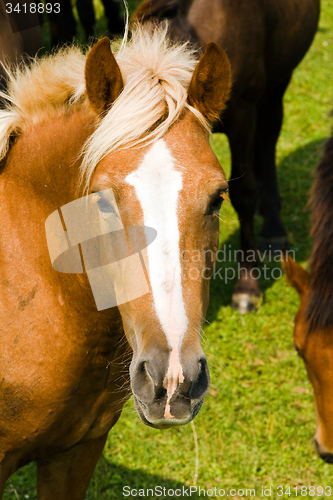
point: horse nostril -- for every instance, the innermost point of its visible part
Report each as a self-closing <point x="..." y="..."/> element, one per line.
<point x="201" y="382"/>
<point x="157" y="380"/>
<point x="144" y="368"/>
<point x="327" y="457"/>
<point x="324" y="455"/>
<point x="160" y="392"/>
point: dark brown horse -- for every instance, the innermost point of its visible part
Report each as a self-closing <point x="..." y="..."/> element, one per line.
<point x="313" y="334"/>
<point x="264" y="40"/>
<point x="63" y="24"/>
<point x="16" y="40"/>
<point x="67" y="358"/>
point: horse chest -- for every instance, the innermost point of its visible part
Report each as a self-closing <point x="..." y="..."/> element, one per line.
<point x="59" y="381"/>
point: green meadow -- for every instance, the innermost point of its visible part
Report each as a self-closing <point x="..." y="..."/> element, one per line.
<point x="257" y="423"/>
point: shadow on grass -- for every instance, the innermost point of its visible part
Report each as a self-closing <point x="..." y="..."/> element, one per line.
<point x="111" y="479"/>
<point x="107" y="483"/>
<point x="296" y="176"/>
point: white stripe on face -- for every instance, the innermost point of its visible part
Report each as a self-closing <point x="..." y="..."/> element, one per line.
<point x="157" y="184"/>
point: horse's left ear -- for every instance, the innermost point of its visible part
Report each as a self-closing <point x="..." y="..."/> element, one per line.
<point x="103" y="77"/>
<point x="211" y="82"/>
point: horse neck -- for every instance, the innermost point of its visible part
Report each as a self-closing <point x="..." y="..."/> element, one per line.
<point x="44" y="158"/>
<point x="321" y="276"/>
<point x="40" y="175"/>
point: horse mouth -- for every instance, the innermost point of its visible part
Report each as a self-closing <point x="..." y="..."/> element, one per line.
<point x="327" y="457"/>
<point x="142" y="410"/>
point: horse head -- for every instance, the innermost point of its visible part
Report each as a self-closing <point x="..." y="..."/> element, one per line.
<point x="314" y="345"/>
<point x="173" y="183"/>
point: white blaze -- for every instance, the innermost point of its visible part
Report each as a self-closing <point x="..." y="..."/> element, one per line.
<point x="157" y="185"/>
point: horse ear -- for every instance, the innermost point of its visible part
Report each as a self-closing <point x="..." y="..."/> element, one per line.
<point x="103" y="77"/>
<point x="211" y="82"/>
<point x="297" y="277"/>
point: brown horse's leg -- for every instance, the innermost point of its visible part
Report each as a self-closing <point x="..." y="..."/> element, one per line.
<point x="63" y="24"/>
<point x="240" y="128"/>
<point x="2" y="486"/>
<point x="3" y="478"/>
<point x="115" y="19"/>
<point x="269" y="122"/>
<point x="66" y="476"/>
<point x="7" y="467"/>
<point x="85" y="9"/>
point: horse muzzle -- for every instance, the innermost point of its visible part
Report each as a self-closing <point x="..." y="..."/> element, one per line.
<point x="156" y="405"/>
<point x="325" y="455"/>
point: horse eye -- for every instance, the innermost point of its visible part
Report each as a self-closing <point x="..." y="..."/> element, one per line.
<point x="215" y="205"/>
<point x="104" y="206"/>
<point x="298" y="351"/>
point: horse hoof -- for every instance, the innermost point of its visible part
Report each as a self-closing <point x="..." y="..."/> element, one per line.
<point x="245" y="302"/>
<point x="274" y="244"/>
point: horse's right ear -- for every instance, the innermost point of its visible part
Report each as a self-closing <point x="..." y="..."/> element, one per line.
<point x="211" y="82"/>
<point x="297" y="277"/>
<point x="103" y="77"/>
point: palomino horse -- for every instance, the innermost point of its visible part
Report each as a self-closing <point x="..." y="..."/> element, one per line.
<point x="264" y="40"/>
<point x="19" y="35"/>
<point x="314" y="320"/>
<point x="136" y="125"/>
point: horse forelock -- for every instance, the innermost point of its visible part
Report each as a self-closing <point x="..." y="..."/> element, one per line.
<point x="156" y="76"/>
<point x="319" y="310"/>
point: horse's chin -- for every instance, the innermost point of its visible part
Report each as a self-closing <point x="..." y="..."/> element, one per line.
<point x="161" y="424"/>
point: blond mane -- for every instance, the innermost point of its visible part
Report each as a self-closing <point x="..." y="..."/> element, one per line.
<point x="156" y="75"/>
<point x="40" y="89"/>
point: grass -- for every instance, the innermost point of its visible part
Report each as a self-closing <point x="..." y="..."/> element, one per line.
<point x="256" y="426"/>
